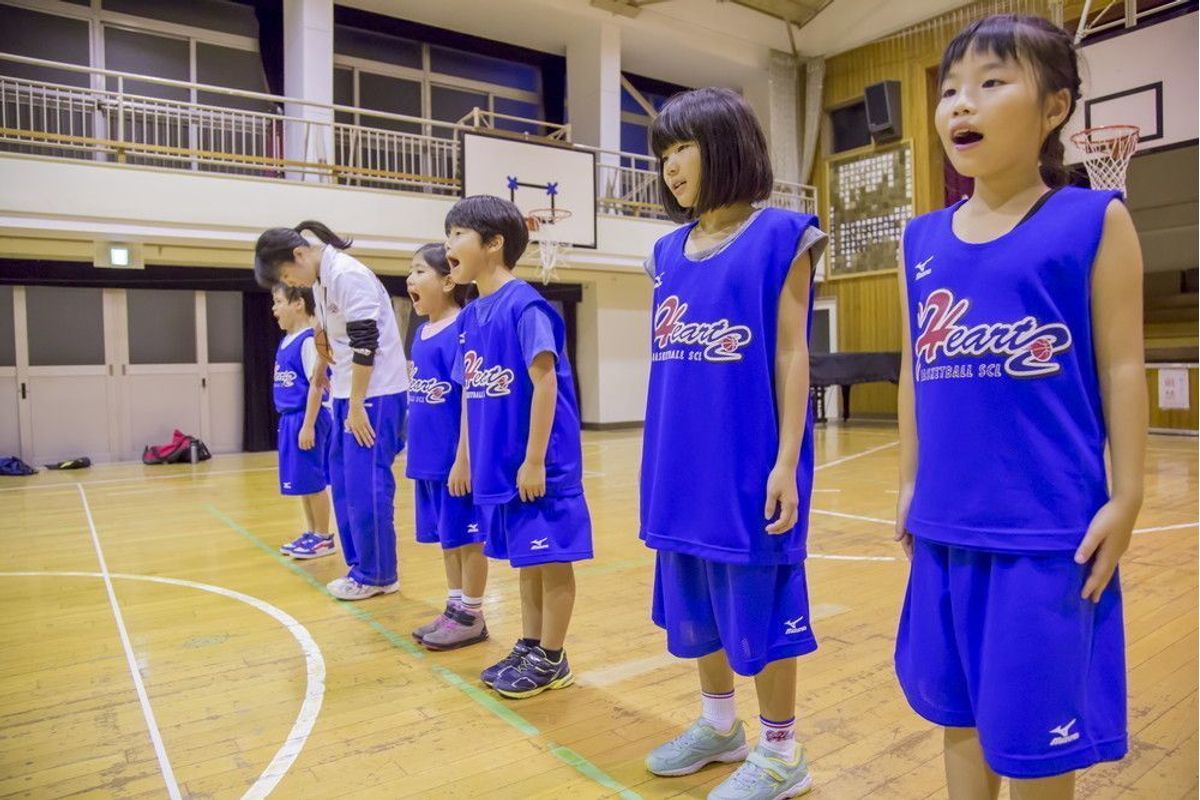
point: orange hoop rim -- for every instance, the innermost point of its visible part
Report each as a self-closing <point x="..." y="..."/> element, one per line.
<point x="1088" y="138"/>
<point x="547" y="216"/>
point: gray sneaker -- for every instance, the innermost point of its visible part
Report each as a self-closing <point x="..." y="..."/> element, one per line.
<point x="699" y="745"/>
<point x="765" y="776"/>
<point x="459" y="628"/>
<point x="429" y="627"/>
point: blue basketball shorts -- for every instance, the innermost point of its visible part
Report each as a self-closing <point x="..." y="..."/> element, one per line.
<point x="303" y="471"/>
<point x="443" y="518"/>
<point x="1002" y="642"/>
<point x="548" y="530"/>
<point x="756" y="613"/>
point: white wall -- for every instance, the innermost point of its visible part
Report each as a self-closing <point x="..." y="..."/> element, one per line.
<point x="55" y="200"/>
<point x="87" y="200"/>
<point x="614" y="348"/>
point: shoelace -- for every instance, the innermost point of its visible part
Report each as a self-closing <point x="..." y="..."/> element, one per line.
<point x="756" y="762"/>
<point x="686" y="739"/>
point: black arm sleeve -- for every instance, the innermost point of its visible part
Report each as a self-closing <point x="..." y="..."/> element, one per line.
<point x="364" y="341"/>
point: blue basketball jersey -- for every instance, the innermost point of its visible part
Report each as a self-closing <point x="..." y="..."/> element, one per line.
<point x="1009" y="417"/>
<point x="499" y="394"/>
<point x="712" y="430"/>
<point x="291" y="382"/>
<point x="434" y="404"/>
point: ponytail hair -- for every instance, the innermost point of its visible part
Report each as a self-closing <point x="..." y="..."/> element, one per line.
<point x="277" y="246"/>
<point x="435" y="256"/>
<point x="1046" y="49"/>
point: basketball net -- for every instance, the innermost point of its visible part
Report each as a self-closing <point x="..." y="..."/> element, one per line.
<point x="1106" y="152"/>
<point x="542" y="221"/>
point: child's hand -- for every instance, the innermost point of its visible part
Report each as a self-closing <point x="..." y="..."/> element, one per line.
<point x="460" y="479"/>
<point x="1107" y="540"/>
<point x="782" y="498"/>
<point x="307" y="437"/>
<point x="531" y="480"/>
<point x="359" y="424"/>
<point x="902" y="535"/>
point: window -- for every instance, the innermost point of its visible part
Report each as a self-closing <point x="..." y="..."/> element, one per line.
<point x="28" y="33"/>
<point x="389" y="73"/>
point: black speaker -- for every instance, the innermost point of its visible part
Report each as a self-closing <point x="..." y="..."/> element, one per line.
<point x="883" y="110"/>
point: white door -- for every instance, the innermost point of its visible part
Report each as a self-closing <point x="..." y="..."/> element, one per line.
<point x="220" y="315"/>
<point x="63" y="359"/>
<point x="10" y="386"/>
<point x="162" y="389"/>
<point x="824" y="340"/>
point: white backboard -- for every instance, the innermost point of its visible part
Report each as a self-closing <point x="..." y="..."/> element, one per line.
<point x="535" y="175"/>
<point x="1144" y="77"/>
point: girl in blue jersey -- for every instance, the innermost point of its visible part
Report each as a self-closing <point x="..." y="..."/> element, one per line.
<point x="444" y="509"/>
<point x="303" y="442"/>
<point x="369" y="387"/>
<point x="1024" y="358"/>
<point x="727" y="460"/>
<point x="522" y="438"/>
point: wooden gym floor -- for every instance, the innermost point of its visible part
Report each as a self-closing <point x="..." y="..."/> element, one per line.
<point x="248" y="679"/>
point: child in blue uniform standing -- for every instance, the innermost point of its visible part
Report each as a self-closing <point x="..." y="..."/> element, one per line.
<point x="303" y="442"/>
<point x="525" y="455"/>
<point x="1023" y="360"/>
<point x="369" y="388"/>
<point x="727" y="460"/>
<point x="445" y="513"/>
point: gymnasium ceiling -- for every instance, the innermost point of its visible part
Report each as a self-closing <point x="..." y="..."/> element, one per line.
<point x="690" y="42"/>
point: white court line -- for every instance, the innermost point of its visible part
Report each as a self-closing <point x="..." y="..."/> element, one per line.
<point x="147" y="712"/>
<point x="844" y="459"/>
<point x="140" y="478"/>
<point x="315" y="663"/>
<point x="860" y="518"/>
<point x="826" y="491"/>
<point x="851" y="558"/>
<point x="852" y="516"/>
<point x="1158" y="528"/>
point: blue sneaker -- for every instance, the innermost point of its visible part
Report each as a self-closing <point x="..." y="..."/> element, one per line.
<point x="535" y="674"/>
<point x="315" y="546"/>
<point x="765" y="776"/>
<point x="510" y="661"/>
<point x="287" y="549"/>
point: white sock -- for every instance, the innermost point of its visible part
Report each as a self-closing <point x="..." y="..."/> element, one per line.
<point x="472" y="604"/>
<point x="455" y="596"/>
<point x="779" y="738"/>
<point x="718" y="710"/>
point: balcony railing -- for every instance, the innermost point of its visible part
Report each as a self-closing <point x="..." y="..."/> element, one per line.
<point x="120" y="117"/>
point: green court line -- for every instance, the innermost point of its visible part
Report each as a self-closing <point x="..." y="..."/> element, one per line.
<point x="481" y="698"/>
<point x="484" y="699"/>
<point x="396" y="639"/>
<point x="573" y="759"/>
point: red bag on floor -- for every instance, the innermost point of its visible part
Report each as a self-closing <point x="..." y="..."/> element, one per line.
<point x="178" y="450"/>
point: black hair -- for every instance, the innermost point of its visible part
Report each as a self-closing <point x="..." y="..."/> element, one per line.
<point x="734" y="161"/>
<point x="277" y="246"/>
<point x="1042" y="46"/>
<point x="490" y="217"/>
<point x="435" y="256"/>
<point x="293" y="293"/>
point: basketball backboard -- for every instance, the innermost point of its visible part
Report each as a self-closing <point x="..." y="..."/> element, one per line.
<point x="535" y="175"/>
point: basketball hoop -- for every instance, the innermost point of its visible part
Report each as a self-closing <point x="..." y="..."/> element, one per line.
<point x="550" y="248"/>
<point x="1106" y="152"/>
